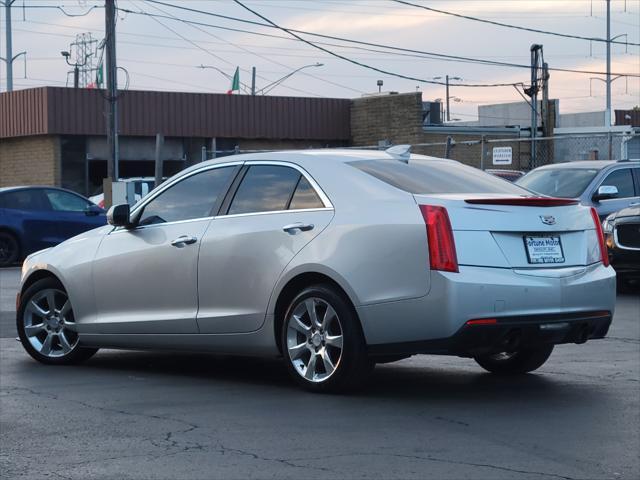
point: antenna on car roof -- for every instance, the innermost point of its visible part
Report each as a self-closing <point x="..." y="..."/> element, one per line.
<point x="400" y="152"/>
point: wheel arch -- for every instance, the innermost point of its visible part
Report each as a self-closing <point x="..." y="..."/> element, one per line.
<point x="293" y="286"/>
<point x="38" y="275"/>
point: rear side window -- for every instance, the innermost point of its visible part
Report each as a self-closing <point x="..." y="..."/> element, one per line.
<point x="622" y="179"/>
<point x="433" y="177"/>
<point x="191" y="198"/>
<point x="305" y="196"/>
<point x="24" y="200"/>
<point x="265" y="188"/>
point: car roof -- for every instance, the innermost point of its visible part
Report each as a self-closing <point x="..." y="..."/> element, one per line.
<point x="28" y="187"/>
<point x="582" y="164"/>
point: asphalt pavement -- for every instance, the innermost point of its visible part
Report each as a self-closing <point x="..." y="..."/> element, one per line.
<point x="139" y="415"/>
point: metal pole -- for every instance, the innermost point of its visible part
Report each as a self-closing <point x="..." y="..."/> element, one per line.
<point x="112" y="89"/>
<point x="447" y="148"/>
<point x="483" y="151"/>
<point x="76" y="76"/>
<point x="253" y="81"/>
<point x="448" y="115"/>
<point x="9" y="46"/>
<point x="158" y="164"/>
<point x="608" y="110"/>
<point x="534" y="104"/>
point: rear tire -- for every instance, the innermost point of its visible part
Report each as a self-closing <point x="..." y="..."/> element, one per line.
<point x="514" y="363"/>
<point x="322" y="341"/>
<point x="46" y="325"/>
<point x="9" y="249"/>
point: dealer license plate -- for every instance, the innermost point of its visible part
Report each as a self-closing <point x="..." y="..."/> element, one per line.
<point x="544" y="249"/>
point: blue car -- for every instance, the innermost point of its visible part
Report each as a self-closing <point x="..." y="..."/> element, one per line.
<point x="33" y="218"/>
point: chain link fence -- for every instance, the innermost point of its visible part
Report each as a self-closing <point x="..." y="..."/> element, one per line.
<point x="515" y="153"/>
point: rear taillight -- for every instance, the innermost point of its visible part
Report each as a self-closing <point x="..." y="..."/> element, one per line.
<point x="442" y="249"/>
<point x="603" y="247"/>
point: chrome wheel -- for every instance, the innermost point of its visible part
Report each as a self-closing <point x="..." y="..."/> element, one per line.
<point x="314" y="339"/>
<point x="49" y="324"/>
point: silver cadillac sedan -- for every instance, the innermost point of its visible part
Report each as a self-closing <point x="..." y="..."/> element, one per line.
<point x="333" y="259"/>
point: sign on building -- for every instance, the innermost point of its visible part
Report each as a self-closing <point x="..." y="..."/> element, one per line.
<point x="502" y="155"/>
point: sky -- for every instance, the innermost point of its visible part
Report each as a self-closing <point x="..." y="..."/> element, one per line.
<point x="162" y="53"/>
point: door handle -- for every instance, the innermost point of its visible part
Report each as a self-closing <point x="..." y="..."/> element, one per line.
<point x="303" y="227"/>
<point x="183" y="240"/>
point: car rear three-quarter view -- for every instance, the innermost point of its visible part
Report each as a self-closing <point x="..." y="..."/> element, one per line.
<point x="333" y="259"/>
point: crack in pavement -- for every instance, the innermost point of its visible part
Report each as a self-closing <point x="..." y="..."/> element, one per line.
<point x="430" y="458"/>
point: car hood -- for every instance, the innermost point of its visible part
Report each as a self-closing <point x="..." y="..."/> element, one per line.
<point x="626" y="212"/>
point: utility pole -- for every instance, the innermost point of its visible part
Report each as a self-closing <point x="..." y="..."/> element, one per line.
<point x="112" y="90"/>
<point x="608" y="109"/>
<point x="532" y="91"/>
<point x="9" y="58"/>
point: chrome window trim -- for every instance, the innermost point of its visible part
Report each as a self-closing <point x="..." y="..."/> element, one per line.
<point x="271" y="212"/>
<point x="144" y="227"/>
<point x="617" y="242"/>
<point x="143" y="203"/>
<point x="323" y="196"/>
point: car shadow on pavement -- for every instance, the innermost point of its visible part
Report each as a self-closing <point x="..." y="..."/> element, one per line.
<point x="400" y="382"/>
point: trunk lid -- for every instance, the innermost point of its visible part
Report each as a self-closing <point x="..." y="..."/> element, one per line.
<point x="503" y="231"/>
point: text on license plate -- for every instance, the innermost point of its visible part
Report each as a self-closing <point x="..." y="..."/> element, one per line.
<point x="544" y="249"/>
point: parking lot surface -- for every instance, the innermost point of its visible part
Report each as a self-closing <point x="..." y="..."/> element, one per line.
<point x="168" y="415"/>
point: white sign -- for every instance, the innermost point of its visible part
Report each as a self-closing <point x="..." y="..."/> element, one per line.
<point x="502" y="155"/>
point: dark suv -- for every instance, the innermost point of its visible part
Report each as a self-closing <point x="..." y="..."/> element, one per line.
<point x="608" y="186"/>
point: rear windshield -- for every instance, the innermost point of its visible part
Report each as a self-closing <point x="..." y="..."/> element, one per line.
<point x="433" y="176"/>
<point x="558" y="182"/>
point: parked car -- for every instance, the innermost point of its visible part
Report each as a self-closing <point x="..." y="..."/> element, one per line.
<point x="606" y="185"/>
<point x="511" y="175"/>
<point x="622" y="231"/>
<point x="334" y="259"/>
<point x="141" y="186"/>
<point x="33" y="218"/>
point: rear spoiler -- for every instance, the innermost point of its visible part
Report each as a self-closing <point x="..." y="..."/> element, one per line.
<point x="525" y="201"/>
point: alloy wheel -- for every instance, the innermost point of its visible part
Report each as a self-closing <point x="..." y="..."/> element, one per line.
<point x="314" y="339"/>
<point x="49" y="323"/>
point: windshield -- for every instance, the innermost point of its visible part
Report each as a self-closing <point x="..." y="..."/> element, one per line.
<point x="559" y="182"/>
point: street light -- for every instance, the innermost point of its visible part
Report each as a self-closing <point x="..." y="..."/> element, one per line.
<point x="456" y="99"/>
<point x="76" y="67"/>
<point x="266" y="89"/>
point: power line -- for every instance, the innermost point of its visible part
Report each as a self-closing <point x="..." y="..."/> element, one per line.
<point x="508" y="25"/>
<point x="355" y="62"/>
<point x="347" y="40"/>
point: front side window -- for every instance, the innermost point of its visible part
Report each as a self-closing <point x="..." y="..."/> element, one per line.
<point x="265" y="188"/>
<point x="66" y="202"/>
<point x="622" y="179"/>
<point x="193" y="197"/>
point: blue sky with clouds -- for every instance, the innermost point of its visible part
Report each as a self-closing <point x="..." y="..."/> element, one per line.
<point x="163" y="53"/>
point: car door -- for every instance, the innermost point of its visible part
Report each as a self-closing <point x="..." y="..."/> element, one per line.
<point x="622" y="179"/>
<point x="272" y="212"/>
<point x="145" y="277"/>
<point x="73" y="214"/>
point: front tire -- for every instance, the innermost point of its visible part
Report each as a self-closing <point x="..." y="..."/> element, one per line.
<point x="46" y="325"/>
<point x="322" y="342"/>
<point x="9" y="249"/>
<point x="513" y="363"/>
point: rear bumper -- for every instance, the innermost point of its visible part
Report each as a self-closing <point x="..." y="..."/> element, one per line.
<point x="508" y="334"/>
<point x="530" y="297"/>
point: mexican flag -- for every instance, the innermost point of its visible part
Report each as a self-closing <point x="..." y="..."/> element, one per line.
<point x="235" y="82"/>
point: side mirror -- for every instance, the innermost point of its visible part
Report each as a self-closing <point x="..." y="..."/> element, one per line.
<point x="604" y="192"/>
<point x="92" y="210"/>
<point x="119" y="215"/>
